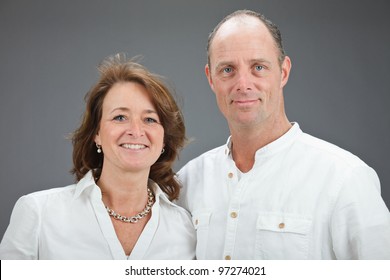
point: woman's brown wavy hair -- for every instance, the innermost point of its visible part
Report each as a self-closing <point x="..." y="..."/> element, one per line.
<point x="117" y="69"/>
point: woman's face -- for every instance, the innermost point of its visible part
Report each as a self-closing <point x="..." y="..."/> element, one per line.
<point x="130" y="133"/>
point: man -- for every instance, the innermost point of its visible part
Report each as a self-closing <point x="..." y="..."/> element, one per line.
<point x="274" y="192"/>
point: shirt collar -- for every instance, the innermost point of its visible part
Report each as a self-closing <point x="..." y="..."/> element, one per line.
<point x="274" y="146"/>
<point x="158" y="193"/>
<point x="228" y="148"/>
<point x="87" y="183"/>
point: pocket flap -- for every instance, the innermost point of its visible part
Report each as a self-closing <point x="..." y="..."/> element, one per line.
<point x="201" y="219"/>
<point x="283" y="223"/>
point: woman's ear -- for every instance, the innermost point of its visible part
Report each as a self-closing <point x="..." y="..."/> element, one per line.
<point x="97" y="139"/>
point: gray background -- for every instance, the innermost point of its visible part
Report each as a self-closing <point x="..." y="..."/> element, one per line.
<point x="338" y="89"/>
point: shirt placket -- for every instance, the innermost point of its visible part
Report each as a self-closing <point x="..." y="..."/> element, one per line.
<point x="233" y="214"/>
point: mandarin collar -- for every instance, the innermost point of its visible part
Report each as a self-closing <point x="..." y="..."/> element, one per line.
<point x="273" y="147"/>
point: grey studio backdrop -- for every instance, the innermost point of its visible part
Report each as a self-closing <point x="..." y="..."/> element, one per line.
<point x="338" y="90"/>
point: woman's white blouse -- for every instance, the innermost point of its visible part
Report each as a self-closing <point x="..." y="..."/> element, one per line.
<point x="72" y="223"/>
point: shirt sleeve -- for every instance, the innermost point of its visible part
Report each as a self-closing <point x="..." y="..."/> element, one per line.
<point x="181" y="177"/>
<point x="361" y="220"/>
<point x="20" y="241"/>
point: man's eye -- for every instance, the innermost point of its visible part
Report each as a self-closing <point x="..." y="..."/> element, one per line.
<point x="120" y="118"/>
<point x="259" y="67"/>
<point x="227" y="70"/>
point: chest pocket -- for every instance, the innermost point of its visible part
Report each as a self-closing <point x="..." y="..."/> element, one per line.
<point x="201" y="221"/>
<point x="280" y="236"/>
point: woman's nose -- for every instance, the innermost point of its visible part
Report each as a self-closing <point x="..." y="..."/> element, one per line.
<point x="135" y="129"/>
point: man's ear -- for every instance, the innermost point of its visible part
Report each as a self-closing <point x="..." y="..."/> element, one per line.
<point x="286" y="68"/>
<point x="208" y="75"/>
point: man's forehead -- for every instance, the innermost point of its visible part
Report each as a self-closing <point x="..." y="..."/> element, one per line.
<point x="241" y="35"/>
<point x="239" y="23"/>
<point x="247" y="28"/>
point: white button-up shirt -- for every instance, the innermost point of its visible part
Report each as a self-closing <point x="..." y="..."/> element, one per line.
<point x="304" y="198"/>
<point x="72" y="223"/>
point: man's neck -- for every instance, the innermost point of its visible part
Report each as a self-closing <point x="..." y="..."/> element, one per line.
<point x="247" y="141"/>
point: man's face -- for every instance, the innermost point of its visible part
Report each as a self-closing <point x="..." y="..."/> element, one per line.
<point x="245" y="74"/>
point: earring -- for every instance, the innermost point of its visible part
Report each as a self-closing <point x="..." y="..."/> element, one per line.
<point x="163" y="150"/>
<point x="99" y="148"/>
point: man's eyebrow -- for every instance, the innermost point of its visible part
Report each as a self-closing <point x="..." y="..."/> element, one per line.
<point x="221" y="64"/>
<point x="259" y="60"/>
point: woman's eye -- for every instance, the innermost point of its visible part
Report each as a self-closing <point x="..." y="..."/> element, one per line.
<point x="150" y="120"/>
<point x="258" y="67"/>
<point x="120" y="118"/>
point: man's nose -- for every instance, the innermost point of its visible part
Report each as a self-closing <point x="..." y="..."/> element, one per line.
<point x="244" y="81"/>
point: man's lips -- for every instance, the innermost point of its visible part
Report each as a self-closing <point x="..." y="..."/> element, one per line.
<point x="245" y="102"/>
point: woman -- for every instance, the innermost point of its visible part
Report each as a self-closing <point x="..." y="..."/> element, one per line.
<point x="121" y="207"/>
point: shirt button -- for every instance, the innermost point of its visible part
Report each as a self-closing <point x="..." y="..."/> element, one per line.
<point x="228" y="257"/>
<point x="233" y="215"/>
<point x="230" y="175"/>
<point x="281" y="225"/>
<point x="196" y="222"/>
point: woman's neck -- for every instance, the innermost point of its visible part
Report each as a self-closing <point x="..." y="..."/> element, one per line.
<point x="125" y="193"/>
